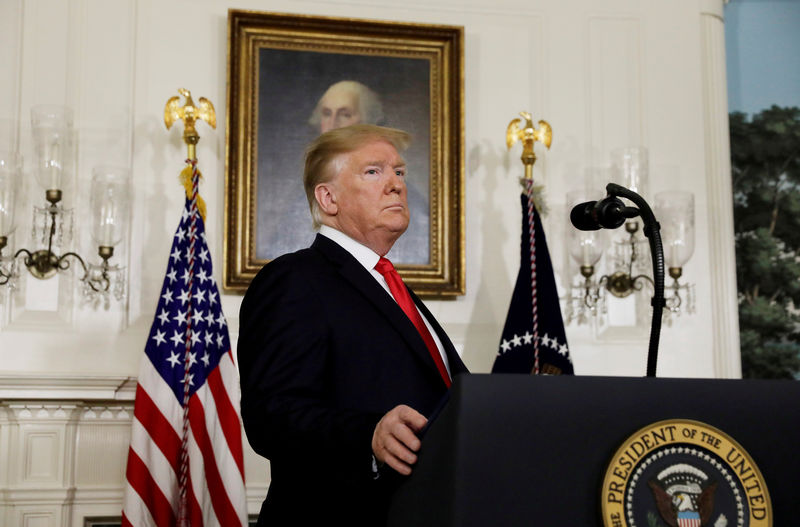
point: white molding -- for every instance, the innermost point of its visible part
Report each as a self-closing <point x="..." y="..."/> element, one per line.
<point x="714" y="8"/>
<point x="107" y="413"/>
<point x="75" y="388"/>
<point x="61" y="412"/>
<point x="254" y="495"/>
<point x="20" y="496"/>
<point x="87" y="495"/>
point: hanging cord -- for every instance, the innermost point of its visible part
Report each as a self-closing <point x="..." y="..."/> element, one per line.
<point x="534" y="288"/>
<point x="183" y="480"/>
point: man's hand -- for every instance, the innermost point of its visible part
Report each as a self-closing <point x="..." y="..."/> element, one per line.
<point x="395" y="440"/>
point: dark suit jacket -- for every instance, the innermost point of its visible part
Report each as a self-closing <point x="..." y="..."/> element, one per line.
<point x="324" y="352"/>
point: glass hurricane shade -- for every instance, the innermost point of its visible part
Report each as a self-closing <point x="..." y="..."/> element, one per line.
<point x="629" y="168"/>
<point x="674" y="210"/>
<point x="585" y="247"/>
<point x="10" y="167"/>
<point x="110" y="204"/>
<point x="51" y="127"/>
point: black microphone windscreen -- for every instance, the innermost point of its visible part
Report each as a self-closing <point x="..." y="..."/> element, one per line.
<point x="582" y="218"/>
<point x="609" y="213"/>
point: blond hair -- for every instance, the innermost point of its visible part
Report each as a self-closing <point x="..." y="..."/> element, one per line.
<point x="325" y="156"/>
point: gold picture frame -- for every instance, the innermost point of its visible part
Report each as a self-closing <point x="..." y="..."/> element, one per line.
<point x="279" y="66"/>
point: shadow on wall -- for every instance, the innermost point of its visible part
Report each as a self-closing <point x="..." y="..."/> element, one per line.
<point x="159" y="147"/>
<point x="490" y="164"/>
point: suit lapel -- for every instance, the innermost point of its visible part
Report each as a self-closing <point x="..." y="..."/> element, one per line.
<point x="363" y="282"/>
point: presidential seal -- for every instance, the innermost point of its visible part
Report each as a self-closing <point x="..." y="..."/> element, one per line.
<point x="683" y="473"/>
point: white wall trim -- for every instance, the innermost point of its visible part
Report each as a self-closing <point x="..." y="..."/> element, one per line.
<point x="45" y="387"/>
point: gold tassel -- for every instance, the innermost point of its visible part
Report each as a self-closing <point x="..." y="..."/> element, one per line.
<point x="186" y="181"/>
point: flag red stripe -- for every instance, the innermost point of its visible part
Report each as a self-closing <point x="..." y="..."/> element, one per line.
<point x="157" y="426"/>
<point x="228" y="418"/>
<point x="195" y="512"/>
<point x="223" y="508"/>
<point x="125" y="521"/>
<point x="139" y="478"/>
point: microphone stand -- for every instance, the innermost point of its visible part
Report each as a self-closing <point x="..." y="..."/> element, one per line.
<point x="653" y="232"/>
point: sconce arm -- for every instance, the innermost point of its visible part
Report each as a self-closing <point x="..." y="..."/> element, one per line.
<point x="5" y="277"/>
<point x="28" y="258"/>
<point x="97" y="284"/>
<point x="63" y="263"/>
<point x="44" y="264"/>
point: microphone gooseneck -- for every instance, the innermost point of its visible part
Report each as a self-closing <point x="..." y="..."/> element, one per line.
<point x="610" y="213"/>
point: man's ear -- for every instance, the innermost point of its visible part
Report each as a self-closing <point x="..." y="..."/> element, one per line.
<point x="326" y="198"/>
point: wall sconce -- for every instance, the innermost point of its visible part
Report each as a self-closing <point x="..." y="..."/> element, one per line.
<point x="628" y="258"/>
<point x="675" y="212"/>
<point x="586" y="248"/>
<point x="52" y="224"/>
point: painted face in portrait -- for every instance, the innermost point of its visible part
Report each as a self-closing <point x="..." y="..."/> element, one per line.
<point x="344" y="103"/>
<point x="339" y="107"/>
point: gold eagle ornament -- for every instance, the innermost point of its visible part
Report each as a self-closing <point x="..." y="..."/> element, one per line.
<point x="189" y="114"/>
<point x="528" y="135"/>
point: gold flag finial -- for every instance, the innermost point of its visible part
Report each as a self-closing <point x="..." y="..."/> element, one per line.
<point x="189" y="113"/>
<point x="528" y="135"/>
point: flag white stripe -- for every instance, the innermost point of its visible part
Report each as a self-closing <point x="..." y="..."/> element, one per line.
<point x="230" y="378"/>
<point x="226" y="464"/>
<point x="157" y="465"/>
<point x="135" y="509"/>
<point x="161" y="394"/>
<point x="199" y="486"/>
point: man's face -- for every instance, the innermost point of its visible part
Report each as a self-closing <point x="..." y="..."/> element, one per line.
<point x="371" y="194"/>
<point x="338" y="108"/>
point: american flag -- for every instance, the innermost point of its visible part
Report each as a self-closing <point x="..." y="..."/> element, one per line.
<point x="533" y="339"/>
<point x="188" y="339"/>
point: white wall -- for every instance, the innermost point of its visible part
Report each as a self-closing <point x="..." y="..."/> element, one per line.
<point x="603" y="73"/>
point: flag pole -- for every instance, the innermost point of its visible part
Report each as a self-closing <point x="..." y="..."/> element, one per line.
<point x="528" y="135"/>
<point x="188" y="113"/>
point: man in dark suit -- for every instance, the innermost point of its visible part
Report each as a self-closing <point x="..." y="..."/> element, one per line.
<point x="340" y="363"/>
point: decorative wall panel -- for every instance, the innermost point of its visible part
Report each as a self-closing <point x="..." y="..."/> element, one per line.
<point x="61" y="459"/>
<point x="615" y="85"/>
<point x="103" y="438"/>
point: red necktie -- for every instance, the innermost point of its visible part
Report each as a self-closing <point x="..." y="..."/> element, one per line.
<point x="400" y="294"/>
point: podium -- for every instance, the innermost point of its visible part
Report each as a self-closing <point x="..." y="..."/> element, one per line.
<point x="518" y="450"/>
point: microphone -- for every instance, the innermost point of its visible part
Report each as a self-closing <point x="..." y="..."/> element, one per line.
<point x="608" y="213"/>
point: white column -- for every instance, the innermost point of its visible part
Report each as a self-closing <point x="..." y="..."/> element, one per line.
<point x="724" y="305"/>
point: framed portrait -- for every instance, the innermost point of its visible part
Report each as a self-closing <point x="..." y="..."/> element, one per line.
<point x="291" y="77"/>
